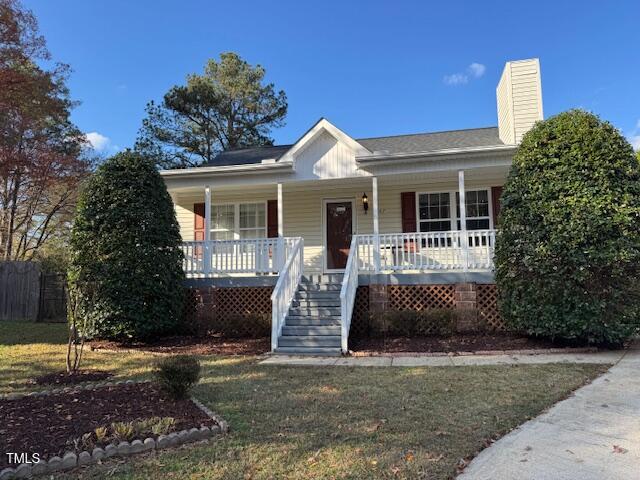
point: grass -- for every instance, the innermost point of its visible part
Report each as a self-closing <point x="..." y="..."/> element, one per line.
<point x="28" y="350"/>
<point x="326" y="422"/>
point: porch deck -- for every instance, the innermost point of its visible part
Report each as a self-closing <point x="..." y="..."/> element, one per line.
<point x="314" y="316"/>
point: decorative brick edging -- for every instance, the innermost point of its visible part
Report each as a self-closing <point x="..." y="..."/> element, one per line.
<point x="74" y="389"/>
<point x="130" y="350"/>
<point x="532" y="351"/>
<point x="71" y="460"/>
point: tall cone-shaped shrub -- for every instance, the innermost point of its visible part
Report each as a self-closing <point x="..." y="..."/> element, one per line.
<point x="126" y="257"/>
<point x="568" y="247"/>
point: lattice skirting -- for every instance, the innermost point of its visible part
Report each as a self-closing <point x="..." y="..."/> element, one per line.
<point x="479" y="300"/>
<point x="421" y="297"/>
<point x="487" y="305"/>
<point x="232" y="312"/>
<point x="246" y="311"/>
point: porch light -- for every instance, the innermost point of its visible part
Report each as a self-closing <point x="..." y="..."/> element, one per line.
<point x="365" y="202"/>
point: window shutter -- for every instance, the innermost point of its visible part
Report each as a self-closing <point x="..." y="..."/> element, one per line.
<point x="198" y="224"/>
<point x="408" y="205"/>
<point x="495" y="204"/>
<point x="272" y="218"/>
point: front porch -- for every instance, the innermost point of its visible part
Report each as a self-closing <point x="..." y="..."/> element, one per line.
<point x="316" y="242"/>
<point x="418" y="252"/>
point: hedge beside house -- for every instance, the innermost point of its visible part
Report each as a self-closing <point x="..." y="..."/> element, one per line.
<point x="126" y="258"/>
<point x="568" y="248"/>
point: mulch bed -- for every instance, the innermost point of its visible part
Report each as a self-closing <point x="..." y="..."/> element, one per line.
<point x="193" y="345"/>
<point x="48" y="424"/>
<point x="453" y="344"/>
<point x="64" y="378"/>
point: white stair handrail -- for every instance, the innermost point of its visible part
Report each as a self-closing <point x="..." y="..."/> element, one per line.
<point x="285" y="289"/>
<point x="348" y="294"/>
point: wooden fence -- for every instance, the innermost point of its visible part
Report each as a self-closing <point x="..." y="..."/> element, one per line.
<point x="26" y="293"/>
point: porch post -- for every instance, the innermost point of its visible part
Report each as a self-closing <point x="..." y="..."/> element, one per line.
<point x="281" y="258"/>
<point x="376" y="225"/>
<point x="280" y="212"/>
<point x="464" y="240"/>
<point x="207" y="230"/>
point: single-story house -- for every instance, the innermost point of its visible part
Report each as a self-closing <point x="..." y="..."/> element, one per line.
<point x="316" y="223"/>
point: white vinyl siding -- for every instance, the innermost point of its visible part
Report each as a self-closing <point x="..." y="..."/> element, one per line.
<point x="519" y="99"/>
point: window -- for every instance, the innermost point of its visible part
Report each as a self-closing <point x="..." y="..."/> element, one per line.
<point x="233" y="221"/>
<point x="477" y="209"/>
<point x="253" y="223"/>
<point x="222" y="222"/>
<point x="434" y="212"/>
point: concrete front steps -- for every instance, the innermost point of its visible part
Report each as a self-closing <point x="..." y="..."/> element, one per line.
<point x="312" y="326"/>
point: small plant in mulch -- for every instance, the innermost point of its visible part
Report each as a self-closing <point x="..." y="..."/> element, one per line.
<point x="177" y="375"/>
<point x="58" y="422"/>
<point x="118" y="432"/>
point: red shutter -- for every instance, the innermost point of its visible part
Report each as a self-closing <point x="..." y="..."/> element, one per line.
<point x="408" y="205"/>
<point x="495" y="204"/>
<point x="272" y="218"/>
<point x="198" y="224"/>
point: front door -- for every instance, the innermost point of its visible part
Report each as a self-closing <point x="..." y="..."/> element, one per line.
<point x="339" y="228"/>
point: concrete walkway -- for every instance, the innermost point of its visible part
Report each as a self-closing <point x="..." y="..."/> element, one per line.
<point x="447" y="361"/>
<point x="593" y="435"/>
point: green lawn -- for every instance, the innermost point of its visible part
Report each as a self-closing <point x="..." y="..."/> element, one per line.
<point x="320" y="422"/>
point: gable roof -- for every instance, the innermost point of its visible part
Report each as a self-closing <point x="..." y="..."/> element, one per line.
<point x="411" y="143"/>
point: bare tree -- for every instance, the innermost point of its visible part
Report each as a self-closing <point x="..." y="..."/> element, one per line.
<point x="42" y="154"/>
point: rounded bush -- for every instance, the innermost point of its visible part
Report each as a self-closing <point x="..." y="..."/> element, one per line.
<point x="176" y="375"/>
<point x="126" y="260"/>
<point x="568" y="245"/>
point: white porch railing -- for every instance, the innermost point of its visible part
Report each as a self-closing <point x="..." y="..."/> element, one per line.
<point x="411" y="251"/>
<point x="285" y="289"/>
<point x="427" y="251"/>
<point x="348" y="294"/>
<point x="259" y="255"/>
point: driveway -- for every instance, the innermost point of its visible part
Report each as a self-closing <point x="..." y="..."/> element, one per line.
<point x="593" y="435"/>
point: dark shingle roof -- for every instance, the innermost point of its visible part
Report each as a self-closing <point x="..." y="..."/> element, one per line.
<point x="428" y="142"/>
<point x="417" y="142"/>
<point x="245" y="156"/>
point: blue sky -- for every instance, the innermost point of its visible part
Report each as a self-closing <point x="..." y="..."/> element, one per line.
<point x="372" y="68"/>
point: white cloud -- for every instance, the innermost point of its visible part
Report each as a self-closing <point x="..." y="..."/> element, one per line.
<point x="98" y="142"/>
<point x="477" y="69"/>
<point x="634" y="137"/>
<point x="456" y="79"/>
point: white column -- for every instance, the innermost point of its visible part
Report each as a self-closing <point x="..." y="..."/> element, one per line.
<point x="280" y="212"/>
<point x="281" y="255"/>
<point x="376" y="224"/>
<point x="464" y="240"/>
<point x="207" y="229"/>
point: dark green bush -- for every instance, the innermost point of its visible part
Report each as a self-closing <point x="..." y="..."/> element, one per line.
<point x="176" y="375"/>
<point x="125" y="244"/>
<point x="568" y="247"/>
<point x="408" y="323"/>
